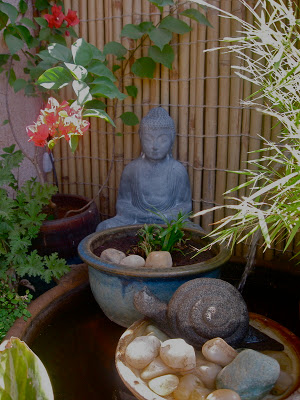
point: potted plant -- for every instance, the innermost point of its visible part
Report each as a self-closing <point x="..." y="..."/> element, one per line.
<point x="271" y="209"/>
<point x="21" y="217"/>
<point x="114" y="284"/>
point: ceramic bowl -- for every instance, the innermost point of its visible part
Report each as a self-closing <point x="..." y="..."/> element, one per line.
<point x="138" y="387"/>
<point x="114" y="285"/>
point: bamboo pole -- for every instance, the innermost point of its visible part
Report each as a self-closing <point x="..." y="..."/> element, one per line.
<point x="183" y="92"/>
<point x="145" y="82"/>
<point x="199" y="121"/>
<point x="211" y="114"/>
<point x="102" y="136"/>
<point x="192" y="96"/>
<point x="223" y="114"/>
<point x="86" y="142"/>
<point x="110" y="103"/>
<point x="164" y="72"/>
<point x="141" y="85"/>
<point x="154" y="83"/>
<point x="128" y="10"/>
<point x="174" y="100"/>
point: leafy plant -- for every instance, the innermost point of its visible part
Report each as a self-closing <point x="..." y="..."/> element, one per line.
<point x="12" y="306"/>
<point x="155" y="237"/>
<point x="273" y="204"/>
<point x="20" y="220"/>
<point x="22" y="374"/>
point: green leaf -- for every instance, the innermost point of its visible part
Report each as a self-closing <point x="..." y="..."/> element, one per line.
<point x="10" y="10"/>
<point x="165" y="57"/>
<point x="132" y="90"/>
<point x="60" y="39"/>
<point x="82" y="52"/>
<point x="115" y="67"/>
<point x="129" y="118"/>
<point x="82" y="91"/>
<point x="24" y="33"/>
<point x="44" y="34"/>
<point x="28" y="22"/>
<point x="14" y="44"/>
<point x="41" y="21"/>
<point x="41" y="4"/>
<point x="99" y="69"/>
<point x="160" y="37"/>
<point x="74" y="139"/>
<point x="19" y="84"/>
<point x="11" y="77"/>
<point x="45" y="56"/>
<point x="22" y="372"/>
<point x="3" y="59"/>
<point x="72" y="32"/>
<point x="132" y="31"/>
<point x="95" y="104"/>
<point x="5" y="122"/>
<point x="144" y="67"/>
<point x="97" y="54"/>
<point x="175" y="25"/>
<point x="23" y="6"/>
<point x="79" y="72"/>
<point x="3" y="20"/>
<point x="55" y="78"/>
<point x="115" y="48"/>
<point x="162" y="3"/>
<point x="99" y="114"/>
<point x="60" y="52"/>
<point x="196" y="15"/>
<point x="146" y="26"/>
<point x="104" y="87"/>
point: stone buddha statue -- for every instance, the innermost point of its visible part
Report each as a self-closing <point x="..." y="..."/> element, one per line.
<point x="154" y="181"/>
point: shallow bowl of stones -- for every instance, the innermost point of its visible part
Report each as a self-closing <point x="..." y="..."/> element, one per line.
<point x="153" y="367"/>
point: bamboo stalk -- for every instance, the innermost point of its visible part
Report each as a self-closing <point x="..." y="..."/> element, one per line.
<point x="101" y="135"/>
<point x="154" y="83"/>
<point x="119" y="146"/>
<point x="110" y="103"/>
<point x="223" y="114"/>
<point x="145" y="82"/>
<point x="128" y="10"/>
<point x="164" y="72"/>
<point x="211" y="114"/>
<point x="138" y="6"/>
<point x="199" y="121"/>
<point x="192" y="96"/>
<point x="174" y="100"/>
<point x="183" y="111"/>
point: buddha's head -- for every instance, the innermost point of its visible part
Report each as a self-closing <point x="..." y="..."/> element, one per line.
<point x="157" y="134"/>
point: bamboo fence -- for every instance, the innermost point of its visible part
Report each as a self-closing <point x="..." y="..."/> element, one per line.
<point x="202" y="95"/>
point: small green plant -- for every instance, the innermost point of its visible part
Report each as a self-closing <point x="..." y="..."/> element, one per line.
<point x="12" y="306"/>
<point x="159" y="238"/>
<point x="20" y="220"/>
<point x="22" y="374"/>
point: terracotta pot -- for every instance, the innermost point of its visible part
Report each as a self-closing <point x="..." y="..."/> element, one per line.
<point x="114" y="285"/>
<point x="64" y="234"/>
<point x="141" y="391"/>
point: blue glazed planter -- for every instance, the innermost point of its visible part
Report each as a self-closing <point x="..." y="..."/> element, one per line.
<point x="114" y="285"/>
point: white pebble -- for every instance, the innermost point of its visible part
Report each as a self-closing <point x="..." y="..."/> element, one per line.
<point x="164" y="385"/>
<point x="178" y="354"/>
<point x="219" y="352"/>
<point x="207" y="372"/>
<point x="112" y="256"/>
<point x="159" y="259"/>
<point x="134" y="261"/>
<point x="141" y="351"/>
<point x="186" y="385"/>
<point x="200" y="393"/>
<point x="223" y="394"/>
<point x="156" y="368"/>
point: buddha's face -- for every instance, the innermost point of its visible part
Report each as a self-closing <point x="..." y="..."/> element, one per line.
<point x="156" y="142"/>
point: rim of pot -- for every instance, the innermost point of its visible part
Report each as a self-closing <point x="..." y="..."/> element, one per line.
<point x="87" y="255"/>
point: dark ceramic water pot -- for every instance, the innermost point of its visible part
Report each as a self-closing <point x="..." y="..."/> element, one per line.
<point x="63" y="235"/>
<point x="114" y="285"/>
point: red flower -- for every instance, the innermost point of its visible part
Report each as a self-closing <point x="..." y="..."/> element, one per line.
<point x="56" y="19"/>
<point x="39" y="137"/>
<point x="71" y="18"/>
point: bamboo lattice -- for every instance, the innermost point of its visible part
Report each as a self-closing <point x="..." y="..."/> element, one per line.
<point x="201" y="93"/>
